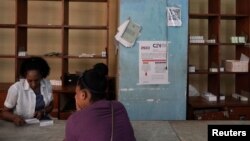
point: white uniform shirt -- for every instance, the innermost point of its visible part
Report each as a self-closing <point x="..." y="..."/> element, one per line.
<point x="22" y="98"/>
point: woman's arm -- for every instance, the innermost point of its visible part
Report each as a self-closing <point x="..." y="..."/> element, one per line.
<point x="49" y="108"/>
<point x="7" y="114"/>
<point x="45" y="111"/>
<point x="10" y="104"/>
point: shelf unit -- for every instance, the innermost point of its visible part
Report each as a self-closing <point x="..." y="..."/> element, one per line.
<point x="67" y="27"/>
<point x="218" y="20"/>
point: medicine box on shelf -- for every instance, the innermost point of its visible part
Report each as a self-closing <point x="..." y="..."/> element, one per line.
<point x="239" y="97"/>
<point x="236" y="66"/>
<point x="212" y="97"/>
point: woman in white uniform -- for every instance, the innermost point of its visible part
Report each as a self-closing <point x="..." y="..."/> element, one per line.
<point x="30" y="97"/>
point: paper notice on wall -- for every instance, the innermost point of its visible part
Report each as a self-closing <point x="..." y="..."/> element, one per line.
<point x="174" y="16"/>
<point x="128" y="32"/>
<point x="153" y="63"/>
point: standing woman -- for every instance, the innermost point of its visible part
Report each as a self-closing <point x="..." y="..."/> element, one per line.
<point x="97" y="119"/>
<point x="30" y="97"/>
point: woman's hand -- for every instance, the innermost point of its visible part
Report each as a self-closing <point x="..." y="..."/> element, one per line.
<point x="7" y="114"/>
<point x="18" y="121"/>
<point x="39" y="114"/>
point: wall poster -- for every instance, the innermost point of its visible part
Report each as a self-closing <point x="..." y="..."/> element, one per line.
<point x="153" y="62"/>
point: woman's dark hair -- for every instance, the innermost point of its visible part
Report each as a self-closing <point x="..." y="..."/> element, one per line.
<point x="95" y="81"/>
<point x="35" y="63"/>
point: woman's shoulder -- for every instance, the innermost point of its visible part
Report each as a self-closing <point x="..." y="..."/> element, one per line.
<point x="78" y="116"/>
<point x="107" y="103"/>
<point x="19" y="83"/>
<point x="118" y="106"/>
<point x="118" y="103"/>
<point x="17" y="86"/>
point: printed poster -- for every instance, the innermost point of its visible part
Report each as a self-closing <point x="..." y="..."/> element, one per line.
<point x="153" y="63"/>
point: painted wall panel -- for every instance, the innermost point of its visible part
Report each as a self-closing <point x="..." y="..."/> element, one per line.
<point x="154" y="102"/>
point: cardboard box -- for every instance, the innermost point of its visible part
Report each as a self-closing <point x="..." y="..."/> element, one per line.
<point x="236" y="66"/>
<point x="212" y="97"/>
<point x="191" y="68"/>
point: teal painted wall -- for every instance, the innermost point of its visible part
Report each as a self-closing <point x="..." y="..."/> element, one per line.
<point x="154" y="102"/>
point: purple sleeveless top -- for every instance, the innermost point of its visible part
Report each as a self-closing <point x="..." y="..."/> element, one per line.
<point x="94" y="123"/>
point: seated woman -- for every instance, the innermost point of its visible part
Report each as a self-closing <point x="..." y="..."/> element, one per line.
<point x="30" y="97"/>
<point x="97" y="119"/>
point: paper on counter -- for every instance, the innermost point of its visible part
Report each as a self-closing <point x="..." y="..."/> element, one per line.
<point x="46" y="122"/>
<point x="32" y="121"/>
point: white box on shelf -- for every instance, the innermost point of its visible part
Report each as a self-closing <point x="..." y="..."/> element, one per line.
<point x="56" y="82"/>
<point x="239" y="97"/>
<point x="191" y="68"/>
<point x="236" y="66"/>
<point x="22" y="53"/>
<point x="211" y="41"/>
<point x="222" y="97"/>
<point x="104" y="54"/>
<point x="234" y="39"/>
<point x="211" y="97"/>
<point x="213" y="69"/>
<point x="222" y="69"/>
<point x="242" y="39"/>
<point x="196" y="39"/>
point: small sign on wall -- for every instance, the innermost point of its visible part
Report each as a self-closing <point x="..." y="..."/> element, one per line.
<point x="174" y="16"/>
<point x="128" y="33"/>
